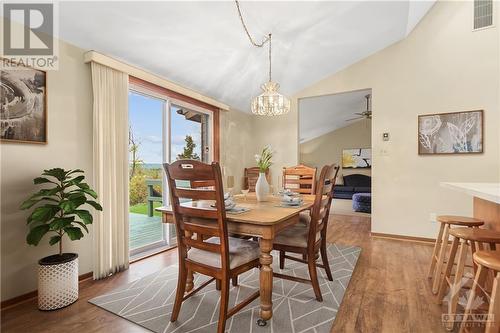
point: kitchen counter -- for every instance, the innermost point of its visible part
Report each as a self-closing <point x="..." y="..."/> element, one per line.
<point x="486" y="199"/>
<point x="485" y="191"/>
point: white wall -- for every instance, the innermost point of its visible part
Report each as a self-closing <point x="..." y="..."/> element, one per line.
<point x="237" y="145"/>
<point x="69" y="110"/>
<point x="441" y="67"/>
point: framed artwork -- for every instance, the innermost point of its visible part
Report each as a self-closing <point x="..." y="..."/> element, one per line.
<point x="451" y="133"/>
<point x="357" y="158"/>
<point x="23" y="105"/>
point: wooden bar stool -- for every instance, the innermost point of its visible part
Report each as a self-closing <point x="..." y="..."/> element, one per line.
<point x="438" y="259"/>
<point x="486" y="261"/>
<point x="475" y="238"/>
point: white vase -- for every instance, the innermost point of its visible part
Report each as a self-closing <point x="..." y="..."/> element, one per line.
<point x="262" y="187"/>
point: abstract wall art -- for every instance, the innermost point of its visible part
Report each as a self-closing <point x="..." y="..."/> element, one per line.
<point x="451" y="133"/>
<point x="23" y="114"/>
<point x="357" y="158"/>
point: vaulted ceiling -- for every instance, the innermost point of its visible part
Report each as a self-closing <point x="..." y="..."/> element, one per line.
<point x="320" y="115"/>
<point x="202" y="45"/>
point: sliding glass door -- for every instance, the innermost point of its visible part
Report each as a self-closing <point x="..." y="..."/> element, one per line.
<point x="160" y="130"/>
<point x="146" y="155"/>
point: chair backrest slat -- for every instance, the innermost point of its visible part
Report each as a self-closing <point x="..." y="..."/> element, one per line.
<point x="301" y="190"/>
<point x="212" y="231"/>
<point x="201" y="183"/>
<point x="194" y="194"/>
<point x="251" y="176"/>
<point x="198" y="212"/>
<point x="191" y="170"/>
<point x="322" y="213"/>
<point x="322" y="203"/>
<point x="300" y="178"/>
<point x="202" y="245"/>
<point x="191" y="181"/>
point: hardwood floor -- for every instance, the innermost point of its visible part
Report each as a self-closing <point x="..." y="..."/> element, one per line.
<point x="389" y="291"/>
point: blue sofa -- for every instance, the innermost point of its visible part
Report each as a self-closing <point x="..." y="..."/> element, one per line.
<point x="353" y="184"/>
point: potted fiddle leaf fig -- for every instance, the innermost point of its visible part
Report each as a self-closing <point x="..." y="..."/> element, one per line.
<point x="59" y="210"/>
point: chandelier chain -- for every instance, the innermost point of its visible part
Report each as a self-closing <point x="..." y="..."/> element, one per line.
<point x="270" y="102"/>
<point x="270" y="42"/>
<point x="261" y="44"/>
<point x="252" y="41"/>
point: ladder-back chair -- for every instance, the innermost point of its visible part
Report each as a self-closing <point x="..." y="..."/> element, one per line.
<point x="309" y="239"/>
<point x="250" y="177"/>
<point x="211" y="252"/>
<point x="300" y="179"/>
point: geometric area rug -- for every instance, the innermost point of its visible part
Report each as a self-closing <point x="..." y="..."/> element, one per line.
<point x="148" y="301"/>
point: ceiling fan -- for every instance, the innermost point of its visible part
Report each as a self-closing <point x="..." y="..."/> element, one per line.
<point x="367" y="114"/>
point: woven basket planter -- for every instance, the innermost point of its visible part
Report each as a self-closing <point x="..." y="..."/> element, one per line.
<point x="57" y="281"/>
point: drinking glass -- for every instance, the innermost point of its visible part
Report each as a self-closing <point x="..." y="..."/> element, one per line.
<point x="230" y="183"/>
<point x="245" y="193"/>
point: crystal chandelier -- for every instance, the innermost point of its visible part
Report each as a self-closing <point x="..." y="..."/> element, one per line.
<point x="270" y="102"/>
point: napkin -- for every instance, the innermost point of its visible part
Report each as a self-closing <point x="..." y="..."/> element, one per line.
<point x="229" y="203"/>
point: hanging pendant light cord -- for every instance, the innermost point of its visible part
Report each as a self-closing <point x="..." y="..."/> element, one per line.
<point x="252" y="41"/>
<point x="270" y="42"/>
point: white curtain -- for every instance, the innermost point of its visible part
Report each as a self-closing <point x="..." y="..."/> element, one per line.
<point x="110" y="229"/>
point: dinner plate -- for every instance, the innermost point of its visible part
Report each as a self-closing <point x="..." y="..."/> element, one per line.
<point x="292" y="204"/>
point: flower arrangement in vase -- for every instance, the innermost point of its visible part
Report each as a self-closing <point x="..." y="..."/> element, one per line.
<point x="264" y="161"/>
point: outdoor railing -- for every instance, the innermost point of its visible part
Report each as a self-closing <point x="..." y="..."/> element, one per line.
<point x="152" y="196"/>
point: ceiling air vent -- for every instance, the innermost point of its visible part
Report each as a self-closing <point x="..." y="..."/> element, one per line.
<point x="483" y="14"/>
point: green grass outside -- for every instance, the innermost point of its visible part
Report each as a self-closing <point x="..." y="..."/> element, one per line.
<point x="142" y="208"/>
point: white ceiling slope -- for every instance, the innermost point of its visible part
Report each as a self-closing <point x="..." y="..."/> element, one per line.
<point x="201" y="45"/>
<point x="323" y="114"/>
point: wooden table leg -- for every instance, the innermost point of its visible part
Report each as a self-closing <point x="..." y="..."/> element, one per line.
<point x="266" y="279"/>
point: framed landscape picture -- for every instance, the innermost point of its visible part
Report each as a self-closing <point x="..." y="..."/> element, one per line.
<point x="23" y="105"/>
<point x="357" y="158"/>
<point x="451" y="133"/>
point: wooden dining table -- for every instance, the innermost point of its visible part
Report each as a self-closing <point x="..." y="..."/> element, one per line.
<point x="264" y="220"/>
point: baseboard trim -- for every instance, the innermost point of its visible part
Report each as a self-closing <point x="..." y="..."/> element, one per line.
<point x="34" y="294"/>
<point x="428" y="241"/>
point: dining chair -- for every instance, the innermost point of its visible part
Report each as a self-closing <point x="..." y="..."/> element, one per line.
<point x="211" y="252"/>
<point x="309" y="239"/>
<point x="300" y="178"/>
<point x="250" y="178"/>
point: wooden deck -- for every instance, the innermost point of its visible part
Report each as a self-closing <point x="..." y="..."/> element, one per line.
<point x="144" y="230"/>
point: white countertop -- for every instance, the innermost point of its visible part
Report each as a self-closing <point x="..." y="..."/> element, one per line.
<point x="486" y="191"/>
